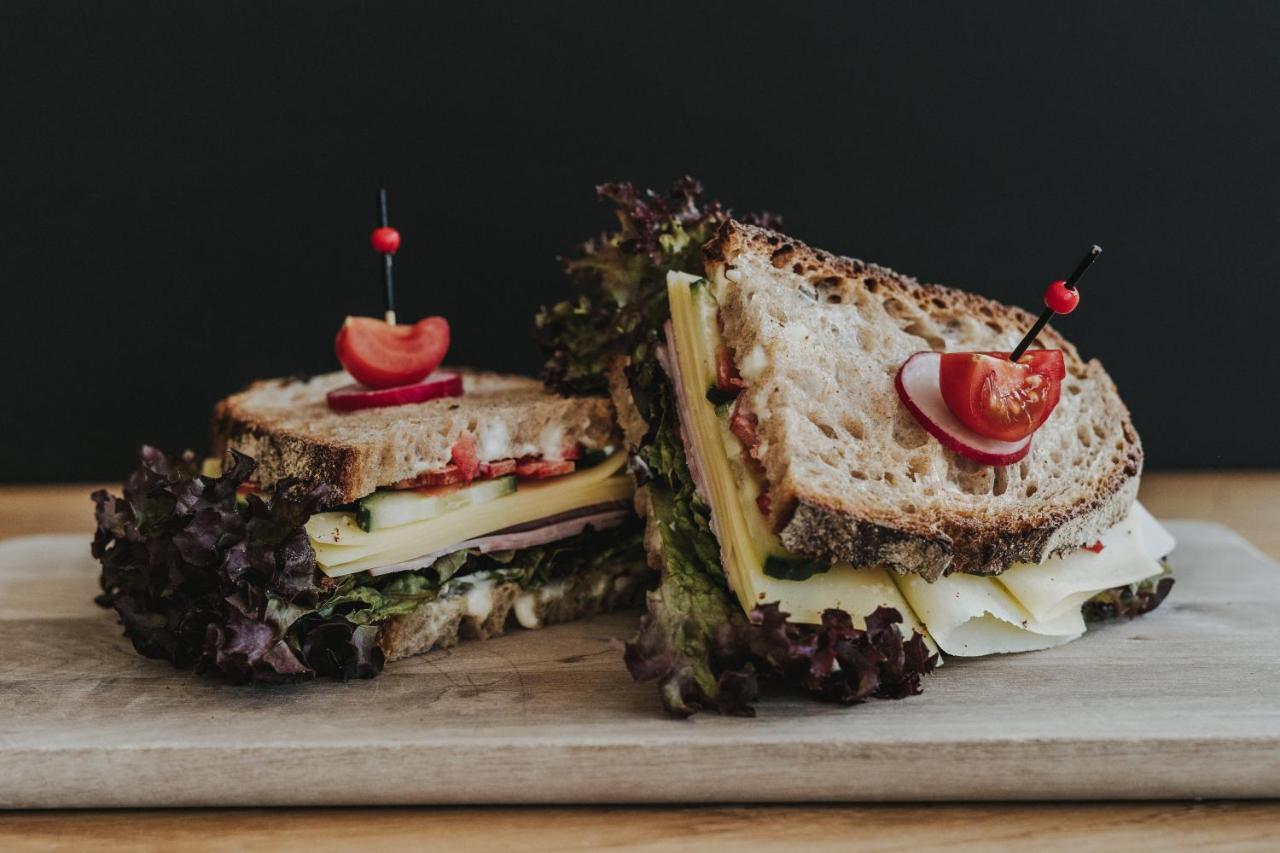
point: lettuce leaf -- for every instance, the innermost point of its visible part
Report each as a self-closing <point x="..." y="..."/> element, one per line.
<point x="202" y="578"/>
<point x="1129" y="601"/>
<point x="622" y="278"/>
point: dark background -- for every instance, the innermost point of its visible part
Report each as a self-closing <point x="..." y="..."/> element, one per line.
<point x="187" y="188"/>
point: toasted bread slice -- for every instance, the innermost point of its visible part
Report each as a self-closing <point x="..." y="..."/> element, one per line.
<point x="442" y="623"/>
<point x="818" y="340"/>
<point x="286" y="425"/>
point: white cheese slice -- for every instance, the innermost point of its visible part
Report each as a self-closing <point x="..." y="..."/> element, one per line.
<point x="1159" y="542"/>
<point x="969" y="615"/>
<point x="1062" y="584"/>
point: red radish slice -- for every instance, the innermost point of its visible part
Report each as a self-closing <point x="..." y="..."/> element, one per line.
<point x="351" y="397"/>
<point x="918" y="387"/>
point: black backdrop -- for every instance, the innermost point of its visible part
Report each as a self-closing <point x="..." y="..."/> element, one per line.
<point x="187" y="188"/>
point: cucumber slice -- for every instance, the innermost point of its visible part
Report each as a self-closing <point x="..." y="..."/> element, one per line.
<point x="393" y="508"/>
<point x="788" y="567"/>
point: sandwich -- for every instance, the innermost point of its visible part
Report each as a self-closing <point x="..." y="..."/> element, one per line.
<point x="325" y="537"/>
<point x="846" y="475"/>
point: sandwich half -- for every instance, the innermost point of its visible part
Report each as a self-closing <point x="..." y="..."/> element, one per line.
<point x="825" y="538"/>
<point x="318" y="542"/>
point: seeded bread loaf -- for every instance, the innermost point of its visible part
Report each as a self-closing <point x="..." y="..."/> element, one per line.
<point x="286" y="425"/>
<point x="818" y="340"/>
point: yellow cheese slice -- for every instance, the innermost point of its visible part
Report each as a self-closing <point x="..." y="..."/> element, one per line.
<point x="858" y="592"/>
<point x="362" y="551"/>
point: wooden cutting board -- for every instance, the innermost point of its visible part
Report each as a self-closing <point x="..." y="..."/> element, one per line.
<point x="1182" y="703"/>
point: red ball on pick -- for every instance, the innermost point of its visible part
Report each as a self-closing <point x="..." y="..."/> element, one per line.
<point x="385" y="241"/>
<point x="1061" y="299"/>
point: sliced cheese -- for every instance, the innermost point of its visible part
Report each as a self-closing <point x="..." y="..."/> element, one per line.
<point x="360" y="551"/>
<point x="744" y="540"/>
<point x="1159" y="542"/>
<point x="1063" y="584"/>
<point x="969" y="615"/>
<point x="858" y="592"/>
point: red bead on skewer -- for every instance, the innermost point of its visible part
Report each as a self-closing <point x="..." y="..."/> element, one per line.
<point x="385" y="241"/>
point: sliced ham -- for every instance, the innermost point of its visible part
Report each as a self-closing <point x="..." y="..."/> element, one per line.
<point x="525" y="536"/>
<point x="670" y="362"/>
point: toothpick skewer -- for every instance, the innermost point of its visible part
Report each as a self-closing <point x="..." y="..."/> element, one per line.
<point x="1060" y="298"/>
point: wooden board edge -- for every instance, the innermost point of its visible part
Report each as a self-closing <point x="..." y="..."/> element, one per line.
<point x="1199" y="768"/>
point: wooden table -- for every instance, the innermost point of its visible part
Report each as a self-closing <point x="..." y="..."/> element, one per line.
<point x="1246" y="501"/>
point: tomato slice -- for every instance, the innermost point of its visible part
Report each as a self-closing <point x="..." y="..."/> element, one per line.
<point x="499" y="468"/>
<point x="727" y="377"/>
<point x="381" y="355"/>
<point x="999" y="398"/>
<point x="541" y="469"/>
<point x="463" y="454"/>
<point x="743" y="424"/>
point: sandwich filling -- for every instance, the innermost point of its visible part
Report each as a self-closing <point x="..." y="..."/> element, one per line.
<point x="1028" y="607"/>
<point x="206" y="571"/>
<point x="486" y="516"/>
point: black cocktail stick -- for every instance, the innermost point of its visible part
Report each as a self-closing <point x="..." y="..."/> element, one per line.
<point x="1049" y="311"/>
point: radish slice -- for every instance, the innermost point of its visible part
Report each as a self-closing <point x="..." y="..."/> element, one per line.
<point x="917" y="384"/>
<point x="349" y="398"/>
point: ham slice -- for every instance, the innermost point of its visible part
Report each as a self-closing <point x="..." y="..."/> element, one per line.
<point x="671" y="366"/>
<point x="524" y="536"/>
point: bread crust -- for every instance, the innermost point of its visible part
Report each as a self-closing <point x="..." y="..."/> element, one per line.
<point x="844" y="525"/>
<point x="287" y="427"/>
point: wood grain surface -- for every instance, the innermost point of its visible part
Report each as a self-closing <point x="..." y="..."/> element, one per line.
<point x="957" y="828"/>
<point x="1250" y="502"/>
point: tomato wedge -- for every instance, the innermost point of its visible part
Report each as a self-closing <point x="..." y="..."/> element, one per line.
<point x="999" y="398"/>
<point x="381" y="355"/>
